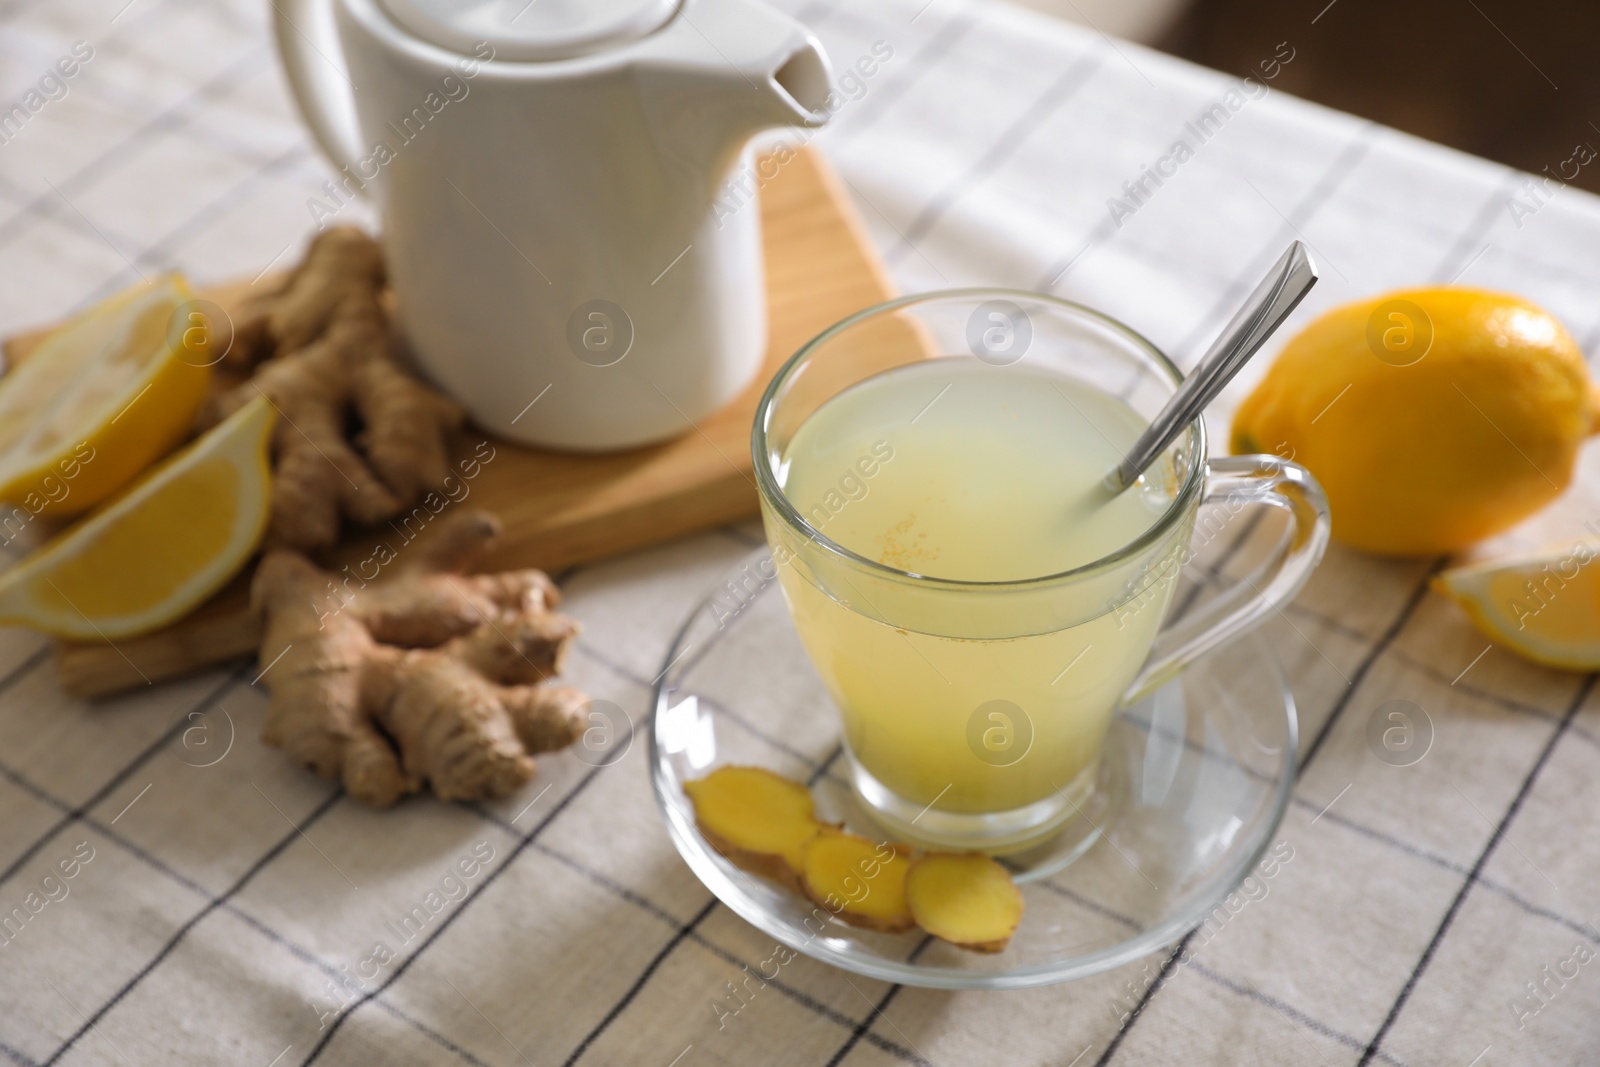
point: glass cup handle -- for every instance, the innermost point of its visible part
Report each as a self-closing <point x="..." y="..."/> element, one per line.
<point x="1236" y="482"/>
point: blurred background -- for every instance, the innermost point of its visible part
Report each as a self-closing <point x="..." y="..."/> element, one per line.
<point x="1514" y="82"/>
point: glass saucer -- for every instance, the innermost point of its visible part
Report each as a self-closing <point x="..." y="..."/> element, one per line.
<point x="1192" y="783"/>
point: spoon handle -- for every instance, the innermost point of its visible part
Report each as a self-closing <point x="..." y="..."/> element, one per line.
<point x="1290" y="279"/>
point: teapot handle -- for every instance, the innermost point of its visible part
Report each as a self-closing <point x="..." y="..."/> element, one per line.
<point x="313" y="61"/>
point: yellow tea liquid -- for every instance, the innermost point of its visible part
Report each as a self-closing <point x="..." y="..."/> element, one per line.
<point x="956" y="469"/>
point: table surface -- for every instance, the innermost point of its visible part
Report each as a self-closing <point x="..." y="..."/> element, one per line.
<point x="225" y="911"/>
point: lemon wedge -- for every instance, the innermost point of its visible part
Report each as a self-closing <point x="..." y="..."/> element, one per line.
<point x="1545" y="606"/>
<point x="156" y="551"/>
<point x="102" y="398"/>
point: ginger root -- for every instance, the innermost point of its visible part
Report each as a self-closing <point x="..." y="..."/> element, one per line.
<point x="861" y="882"/>
<point x="964" y="898"/>
<point x="323" y="353"/>
<point x="426" y="676"/>
<point x="759" y="820"/>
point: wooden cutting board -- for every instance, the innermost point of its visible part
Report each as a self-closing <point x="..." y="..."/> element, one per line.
<point x="560" y="509"/>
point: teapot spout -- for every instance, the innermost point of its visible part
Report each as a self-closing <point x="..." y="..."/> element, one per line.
<point x="724" y="70"/>
<point x="802" y="83"/>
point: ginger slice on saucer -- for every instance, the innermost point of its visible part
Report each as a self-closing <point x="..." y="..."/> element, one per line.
<point x="860" y="881"/>
<point x="964" y="898"/>
<point x="759" y="820"/>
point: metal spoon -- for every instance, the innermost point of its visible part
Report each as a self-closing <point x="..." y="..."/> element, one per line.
<point x="1290" y="279"/>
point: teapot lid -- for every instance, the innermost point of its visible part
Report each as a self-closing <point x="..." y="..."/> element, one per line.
<point x="531" y="29"/>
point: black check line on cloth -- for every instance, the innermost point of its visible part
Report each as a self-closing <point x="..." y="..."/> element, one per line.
<point x="330" y="971"/>
<point x="1056" y="94"/>
<point x="77" y="812"/>
<point x="39" y="656"/>
<point x="861" y="1028"/>
<point x="683" y="932"/>
<point x="1388" y="840"/>
<point x="49" y="204"/>
<point x="1495" y="838"/>
<point x="177" y="118"/>
<point x="923" y="61"/>
<point x="1468" y="240"/>
<point x="214" y="902"/>
<point x="530" y="839"/>
<point x="823" y="768"/>
<point x="228" y="906"/>
<point x="1320" y="737"/>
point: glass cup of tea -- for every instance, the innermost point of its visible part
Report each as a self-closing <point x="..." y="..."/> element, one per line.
<point x="977" y="601"/>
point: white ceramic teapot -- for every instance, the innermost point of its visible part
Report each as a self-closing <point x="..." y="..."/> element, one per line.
<point x="546" y="172"/>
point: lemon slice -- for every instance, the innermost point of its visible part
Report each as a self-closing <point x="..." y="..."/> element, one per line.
<point x="156" y="551"/>
<point x="1544" y="606"/>
<point x="102" y="398"/>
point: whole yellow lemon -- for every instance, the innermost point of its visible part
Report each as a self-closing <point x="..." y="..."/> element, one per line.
<point x="1433" y="417"/>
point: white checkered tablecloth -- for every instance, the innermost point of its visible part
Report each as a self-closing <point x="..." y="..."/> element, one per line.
<point x="230" y="913"/>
